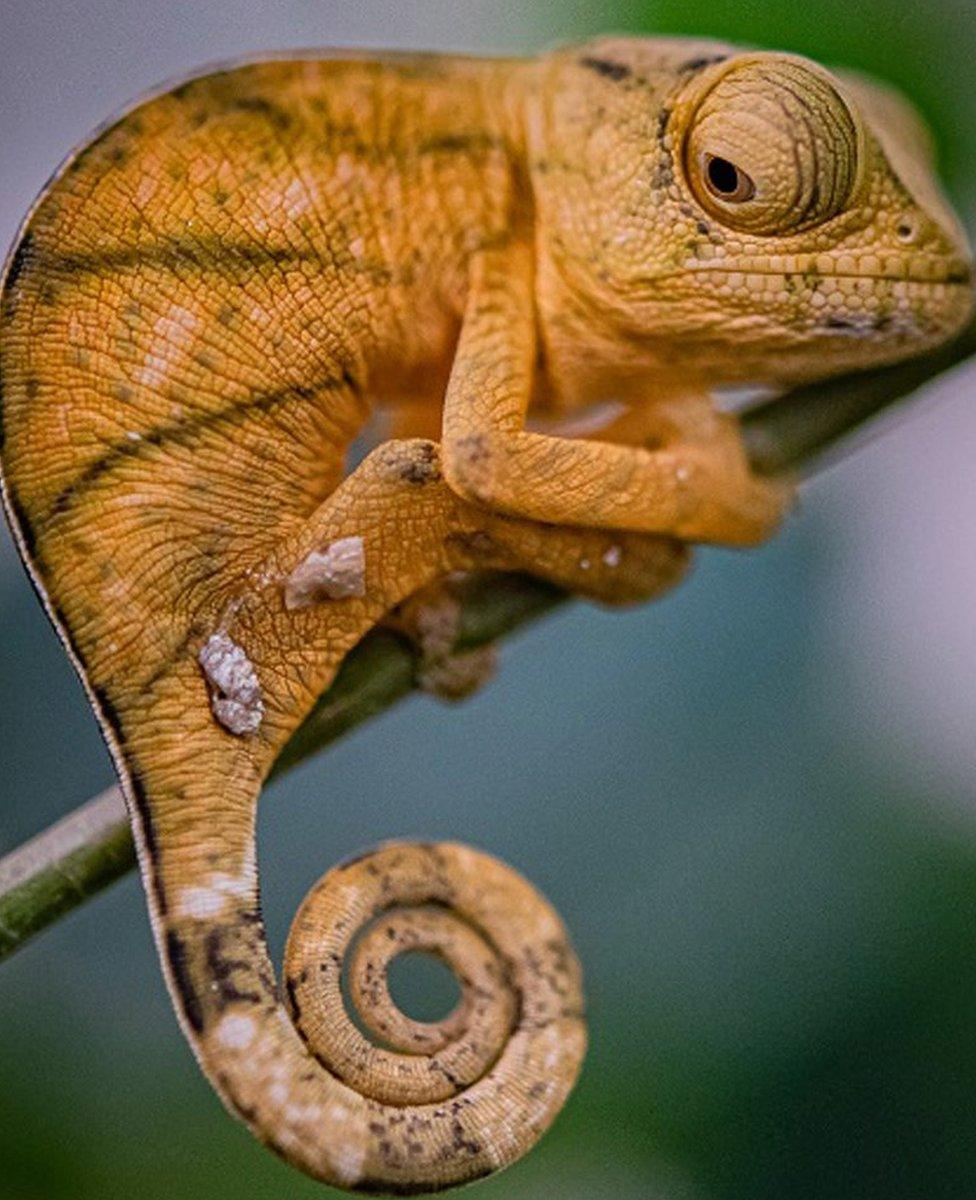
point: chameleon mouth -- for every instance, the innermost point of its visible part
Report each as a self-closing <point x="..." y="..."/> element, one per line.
<point x="919" y="270"/>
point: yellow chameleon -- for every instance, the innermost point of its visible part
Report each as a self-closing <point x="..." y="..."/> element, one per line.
<point x="203" y="311"/>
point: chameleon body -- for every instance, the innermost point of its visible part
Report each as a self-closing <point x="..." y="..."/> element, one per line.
<point x="536" y="272"/>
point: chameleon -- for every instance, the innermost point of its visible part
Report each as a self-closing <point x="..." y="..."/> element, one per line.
<point x="521" y="283"/>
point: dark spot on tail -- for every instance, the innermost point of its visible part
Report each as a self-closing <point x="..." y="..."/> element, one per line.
<point x="663" y="120"/>
<point x="291" y="990"/>
<point x="462" y="1144"/>
<point x="190" y="1002"/>
<point x="607" y="68"/>
<point x="222" y="968"/>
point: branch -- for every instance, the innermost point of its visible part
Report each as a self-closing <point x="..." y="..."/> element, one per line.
<point x="76" y="858"/>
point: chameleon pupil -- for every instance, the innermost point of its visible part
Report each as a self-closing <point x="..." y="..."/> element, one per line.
<point x="723" y="176"/>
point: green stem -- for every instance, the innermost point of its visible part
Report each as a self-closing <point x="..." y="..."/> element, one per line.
<point x="82" y="854"/>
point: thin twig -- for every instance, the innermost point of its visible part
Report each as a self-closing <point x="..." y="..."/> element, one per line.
<point x="82" y="854"/>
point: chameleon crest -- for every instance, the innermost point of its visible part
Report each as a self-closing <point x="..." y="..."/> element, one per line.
<point x="211" y="301"/>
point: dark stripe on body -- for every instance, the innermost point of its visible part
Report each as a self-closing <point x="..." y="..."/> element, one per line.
<point x="19" y="261"/>
<point x="174" y="253"/>
<point x="278" y="117"/>
<point x="182" y="433"/>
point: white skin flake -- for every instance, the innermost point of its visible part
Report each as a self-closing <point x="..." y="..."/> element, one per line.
<point x="236" y="697"/>
<point x="349" y="1153"/>
<point x="335" y="573"/>
<point x="235" y="1032"/>
<point x="212" y="899"/>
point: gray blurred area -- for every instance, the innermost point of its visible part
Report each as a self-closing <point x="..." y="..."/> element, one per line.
<point x="772" y="899"/>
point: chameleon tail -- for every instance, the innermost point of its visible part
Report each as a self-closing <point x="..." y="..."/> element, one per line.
<point x="390" y="1105"/>
<point x="417" y="1108"/>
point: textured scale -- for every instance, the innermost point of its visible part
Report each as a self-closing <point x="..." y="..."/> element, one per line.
<point x="209" y="304"/>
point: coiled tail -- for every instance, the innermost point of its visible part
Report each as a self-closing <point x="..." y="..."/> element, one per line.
<point x="385" y="1104"/>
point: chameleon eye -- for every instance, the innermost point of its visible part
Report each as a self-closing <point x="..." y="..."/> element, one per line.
<point x="726" y="181"/>
<point x="771" y="146"/>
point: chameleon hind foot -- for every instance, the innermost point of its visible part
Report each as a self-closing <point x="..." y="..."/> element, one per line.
<point x="431" y="621"/>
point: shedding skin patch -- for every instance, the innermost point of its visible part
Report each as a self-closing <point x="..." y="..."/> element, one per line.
<point x="336" y="573"/>
<point x="236" y="697"/>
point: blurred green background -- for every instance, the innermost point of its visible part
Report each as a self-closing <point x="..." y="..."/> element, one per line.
<point x="752" y="802"/>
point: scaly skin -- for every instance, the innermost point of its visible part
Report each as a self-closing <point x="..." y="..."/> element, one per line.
<point x="201" y="314"/>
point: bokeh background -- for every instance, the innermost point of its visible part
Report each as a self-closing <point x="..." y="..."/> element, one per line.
<point x="754" y="803"/>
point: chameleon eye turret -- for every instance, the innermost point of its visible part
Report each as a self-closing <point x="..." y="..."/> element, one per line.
<point x="772" y="147"/>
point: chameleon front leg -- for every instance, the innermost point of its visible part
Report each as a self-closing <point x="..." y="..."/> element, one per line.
<point x="699" y="490"/>
<point x="430" y="1105"/>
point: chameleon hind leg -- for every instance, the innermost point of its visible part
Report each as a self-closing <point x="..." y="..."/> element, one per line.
<point x="606" y="568"/>
<point x="427" y="1107"/>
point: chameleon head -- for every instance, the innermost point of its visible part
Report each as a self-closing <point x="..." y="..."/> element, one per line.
<point x="743" y="215"/>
